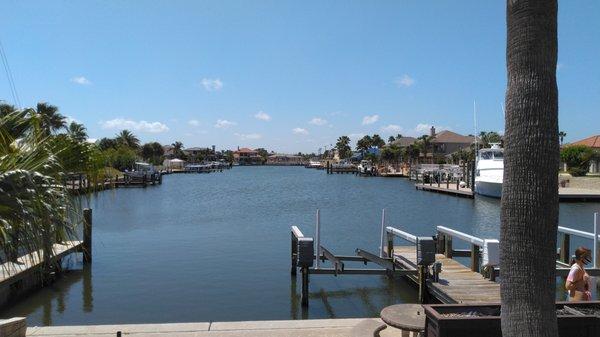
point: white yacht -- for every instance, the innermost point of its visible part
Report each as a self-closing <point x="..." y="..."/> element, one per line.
<point x="489" y="171"/>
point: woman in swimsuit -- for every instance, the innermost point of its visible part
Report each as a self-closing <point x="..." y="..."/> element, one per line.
<point x="578" y="281"/>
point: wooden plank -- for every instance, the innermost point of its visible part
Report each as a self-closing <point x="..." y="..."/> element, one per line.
<point x="10" y="271"/>
<point x="458" y="283"/>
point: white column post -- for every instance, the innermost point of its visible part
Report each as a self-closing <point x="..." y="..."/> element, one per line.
<point x="318" y="239"/>
<point x="596" y="232"/>
<point x="382" y="243"/>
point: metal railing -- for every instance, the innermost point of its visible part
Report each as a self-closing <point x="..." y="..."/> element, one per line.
<point x="565" y="243"/>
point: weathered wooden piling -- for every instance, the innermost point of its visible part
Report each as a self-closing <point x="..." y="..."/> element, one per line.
<point x="474" y="258"/>
<point x="305" y="280"/>
<point x="422" y="270"/>
<point x="87" y="235"/>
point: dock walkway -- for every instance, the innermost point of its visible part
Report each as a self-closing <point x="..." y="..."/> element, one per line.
<point x="457" y="283"/>
<point x="464" y="192"/>
<point x="11" y="272"/>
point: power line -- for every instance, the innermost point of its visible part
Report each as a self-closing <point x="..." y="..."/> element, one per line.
<point x="9" y="77"/>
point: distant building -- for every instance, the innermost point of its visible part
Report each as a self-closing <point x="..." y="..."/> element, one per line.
<point x="404" y="142"/>
<point x="196" y="154"/>
<point x="169" y="151"/>
<point x="175" y="164"/>
<point x="247" y="156"/>
<point x="445" y="143"/>
<point x="285" y="159"/>
<point x="594" y="143"/>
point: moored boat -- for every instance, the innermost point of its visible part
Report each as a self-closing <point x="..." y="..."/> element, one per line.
<point x="489" y="171"/>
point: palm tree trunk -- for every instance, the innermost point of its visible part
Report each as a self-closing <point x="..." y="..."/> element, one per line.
<point x="530" y="190"/>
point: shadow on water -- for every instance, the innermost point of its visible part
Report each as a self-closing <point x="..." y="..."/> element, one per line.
<point x="42" y="305"/>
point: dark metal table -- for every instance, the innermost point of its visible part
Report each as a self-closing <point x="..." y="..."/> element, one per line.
<point x="406" y="317"/>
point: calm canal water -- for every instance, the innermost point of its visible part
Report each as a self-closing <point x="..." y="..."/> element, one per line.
<point x="215" y="247"/>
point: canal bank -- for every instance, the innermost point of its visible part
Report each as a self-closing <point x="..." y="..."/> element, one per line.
<point x="216" y="247"/>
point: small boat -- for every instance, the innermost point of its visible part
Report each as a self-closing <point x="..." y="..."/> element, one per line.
<point x="366" y="167"/>
<point x="141" y="172"/>
<point x="344" y="164"/>
<point x="489" y="171"/>
<point x="314" y="164"/>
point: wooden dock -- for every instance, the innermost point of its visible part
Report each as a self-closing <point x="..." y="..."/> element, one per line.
<point x="447" y="189"/>
<point x="457" y="283"/>
<point x="24" y="274"/>
<point x="428" y="261"/>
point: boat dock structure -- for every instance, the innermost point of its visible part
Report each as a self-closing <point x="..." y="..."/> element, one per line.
<point x="22" y="275"/>
<point x="428" y="261"/>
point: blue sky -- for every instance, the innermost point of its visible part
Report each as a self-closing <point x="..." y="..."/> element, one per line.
<point x="288" y="76"/>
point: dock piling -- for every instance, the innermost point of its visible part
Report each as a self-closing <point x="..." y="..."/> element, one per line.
<point x="304" y="296"/>
<point x="318" y="239"/>
<point x="87" y="235"/>
<point x="422" y="283"/>
<point x="475" y="258"/>
<point x="382" y="243"/>
<point x="565" y="248"/>
<point x="448" y="246"/>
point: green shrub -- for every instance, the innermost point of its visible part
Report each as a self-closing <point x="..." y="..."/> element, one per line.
<point x="577" y="158"/>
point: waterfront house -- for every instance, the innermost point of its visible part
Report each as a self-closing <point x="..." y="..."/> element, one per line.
<point x="594" y="143"/>
<point x="198" y="154"/>
<point x="403" y="142"/>
<point x="445" y="143"/>
<point x="247" y="156"/>
<point x="168" y="151"/>
<point x="285" y="159"/>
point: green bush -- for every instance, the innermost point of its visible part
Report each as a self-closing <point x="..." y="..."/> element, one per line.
<point x="122" y="158"/>
<point x="577" y="158"/>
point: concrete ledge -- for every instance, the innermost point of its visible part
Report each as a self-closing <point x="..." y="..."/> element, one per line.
<point x="284" y="328"/>
<point x="13" y="327"/>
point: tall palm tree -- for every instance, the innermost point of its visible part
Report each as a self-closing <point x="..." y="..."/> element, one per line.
<point x="343" y="147"/>
<point x="561" y="136"/>
<point x="377" y="141"/>
<point x="529" y="213"/>
<point x="77" y="131"/>
<point x="48" y="118"/>
<point x="127" y="138"/>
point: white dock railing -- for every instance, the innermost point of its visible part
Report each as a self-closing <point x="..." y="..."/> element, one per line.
<point x="565" y="243"/>
<point x="460" y="235"/>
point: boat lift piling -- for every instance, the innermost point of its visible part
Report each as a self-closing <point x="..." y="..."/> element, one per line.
<point x="305" y="250"/>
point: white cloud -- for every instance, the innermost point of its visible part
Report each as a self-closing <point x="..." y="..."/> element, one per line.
<point x="91" y="140"/>
<point x="300" y="131"/>
<point x="404" y="81"/>
<point x="370" y="119"/>
<point x="262" y="116"/>
<point x="224" y="124"/>
<point x="392" y="128"/>
<point x="194" y="122"/>
<point x="81" y="80"/>
<point x="247" y="136"/>
<point x="318" y="121"/>
<point x="212" y="84"/>
<point x="142" y="126"/>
